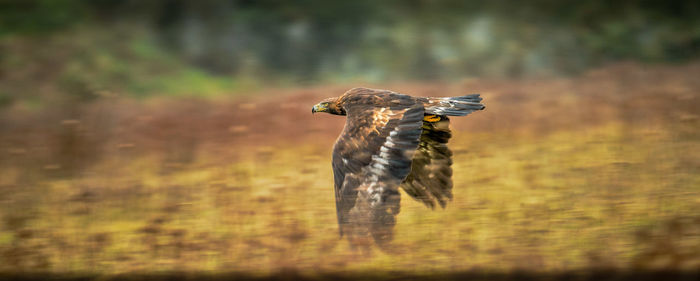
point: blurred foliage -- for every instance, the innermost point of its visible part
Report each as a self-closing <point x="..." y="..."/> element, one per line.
<point x="205" y="47"/>
<point x="596" y="172"/>
<point x="592" y="202"/>
<point x="39" y="16"/>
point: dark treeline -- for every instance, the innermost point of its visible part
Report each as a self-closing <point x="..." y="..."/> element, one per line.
<point x="317" y="39"/>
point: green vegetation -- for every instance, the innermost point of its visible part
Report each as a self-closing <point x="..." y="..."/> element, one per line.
<point x="86" y="63"/>
<point x="173" y="47"/>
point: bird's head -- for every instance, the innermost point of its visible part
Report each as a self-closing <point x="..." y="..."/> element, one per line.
<point x="330" y="105"/>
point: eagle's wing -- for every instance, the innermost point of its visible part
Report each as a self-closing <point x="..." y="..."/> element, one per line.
<point x="370" y="160"/>
<point x="430" y="179"/>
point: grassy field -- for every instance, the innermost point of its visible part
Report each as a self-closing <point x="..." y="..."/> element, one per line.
<point x="600" y="171"/>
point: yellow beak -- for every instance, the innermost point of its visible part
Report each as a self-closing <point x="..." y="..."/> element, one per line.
<point x="319" y="108"/>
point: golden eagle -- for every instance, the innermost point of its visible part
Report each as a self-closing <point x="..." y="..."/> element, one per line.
<point x="390" y="140"/>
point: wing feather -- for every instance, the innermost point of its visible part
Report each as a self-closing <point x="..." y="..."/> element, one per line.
<point x="370" y="159"/>
<point x="430" y="180"/>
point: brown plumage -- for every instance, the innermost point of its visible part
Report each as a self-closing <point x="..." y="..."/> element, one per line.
<point x="390" y="140"/>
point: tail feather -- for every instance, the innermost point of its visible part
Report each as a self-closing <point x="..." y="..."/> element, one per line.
<point x="454" y="106"/>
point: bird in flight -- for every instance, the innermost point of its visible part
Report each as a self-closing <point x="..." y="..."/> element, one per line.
<point x="390" y="140"/>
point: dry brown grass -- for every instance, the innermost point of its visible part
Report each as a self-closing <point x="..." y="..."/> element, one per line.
<point x="597" y="171"/>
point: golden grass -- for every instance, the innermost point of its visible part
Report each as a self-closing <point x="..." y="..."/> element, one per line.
<point x="539" y="185"/>
<point x="569" y="200"/>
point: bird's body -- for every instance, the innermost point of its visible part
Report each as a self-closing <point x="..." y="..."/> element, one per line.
<point x="390" y="140"/>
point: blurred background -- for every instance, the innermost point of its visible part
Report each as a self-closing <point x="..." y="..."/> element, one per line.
<point x="171" y="135"/>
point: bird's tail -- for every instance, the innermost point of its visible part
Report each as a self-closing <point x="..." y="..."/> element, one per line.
<point x="454" y="106"/>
